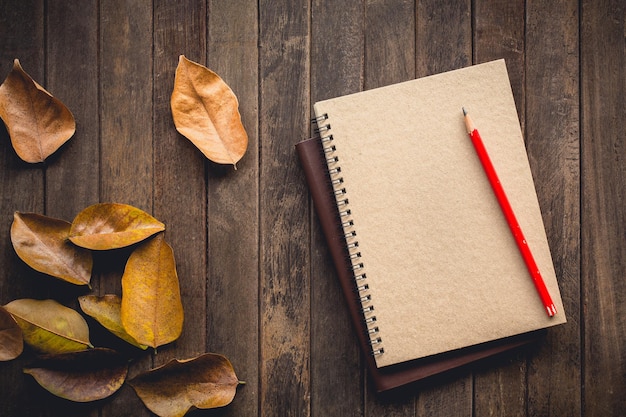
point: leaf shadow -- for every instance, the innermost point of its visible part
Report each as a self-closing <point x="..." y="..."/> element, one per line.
<point x="215" y="170"/>
<point x="38" y="285"/>
<point x="108" y="267"/>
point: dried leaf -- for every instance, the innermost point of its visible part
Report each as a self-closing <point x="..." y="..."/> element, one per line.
<point x="107" y="226"/>
<point x="37" y="122"/>
<point x="81" y="376"/>
<point x="43" y="243"/>
<point x="11" y="343"/>
<point x="50" y="327"/>
<point x="206" y="111"/>
<point x="107" y="311"/>
<point x="207" y="381"/>
<point x="152" y="311"/>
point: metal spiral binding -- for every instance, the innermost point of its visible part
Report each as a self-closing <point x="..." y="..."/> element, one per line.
<point x="347" y="225"/>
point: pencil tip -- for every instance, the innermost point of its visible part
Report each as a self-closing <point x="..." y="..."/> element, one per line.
<point x="464" y="111"/>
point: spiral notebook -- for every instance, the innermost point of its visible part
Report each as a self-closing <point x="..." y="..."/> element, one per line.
<point x="429" y="268"/>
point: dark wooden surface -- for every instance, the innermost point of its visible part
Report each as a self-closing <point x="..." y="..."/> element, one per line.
<point x="255" y="275"/>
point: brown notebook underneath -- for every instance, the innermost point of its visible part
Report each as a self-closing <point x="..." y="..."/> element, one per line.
<point x="312" y="158"/>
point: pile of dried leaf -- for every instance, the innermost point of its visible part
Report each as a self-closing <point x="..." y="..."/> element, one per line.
<point x="149" y="312"/>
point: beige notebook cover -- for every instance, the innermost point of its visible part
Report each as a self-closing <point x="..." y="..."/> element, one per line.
<point x="442" y="270"/>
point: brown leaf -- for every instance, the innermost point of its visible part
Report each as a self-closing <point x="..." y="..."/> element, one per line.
<point x="152" y="311"/>
<point x="11" y="343"/>
<point x="50" y="327"/>
<point x="37" y="122"/>
<point x="206" y="111"/>
<point x="81" y="376"/>
<point x="43" y="243"/>
<point x="207" y="381"/>
<point x="107" y="226"/>
<point x="107" y="311"/>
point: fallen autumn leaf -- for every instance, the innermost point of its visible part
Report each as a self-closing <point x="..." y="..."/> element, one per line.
<point x="42" y="243"/>
<point x="49" y="326"/>
<point x="81" y="376"/>
<point x="206" y="111"/>
<point x="37" y="122"/>
<point x="207" y="381"/>
<point x="152" y="311"/>
<point x="106" y="226"/>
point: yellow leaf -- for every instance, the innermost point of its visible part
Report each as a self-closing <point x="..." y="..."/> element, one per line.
<point x="42" y="242"/>
<point x="152" y="311"/>
<point x="37" y="122"/>
<point x="11" y="343"/>
<point x="107" y="226"/>
<point x="81" y="376"/>
<point x="107" y="311"/>
<point x="206" y="111"/>
<point x="207" y="381"/>
<point x="50" y="327"/>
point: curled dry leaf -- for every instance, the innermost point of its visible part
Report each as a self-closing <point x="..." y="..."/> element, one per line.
<point x="207" y="381"/>
<point x="206" y="111"/>
<point x="81" y="376"/>
<point x="43" y="243"/>
<point x="37" y="122"/>
<point x="152" y="311"/>
<point x="107" y="226"/>
<point x="11" y="343"/>
<point x="106" y="310"/>
<point x="50" y="327"/>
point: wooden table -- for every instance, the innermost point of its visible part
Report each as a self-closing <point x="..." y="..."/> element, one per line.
<point x="255" y="275"/>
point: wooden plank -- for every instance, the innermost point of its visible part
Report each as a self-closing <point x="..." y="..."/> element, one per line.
<point x="284" y="217"/>
<point x="233" y="207"/>
<point x="448" y="395"/>
<point x="444" y="43"/>
<point x="603" y="63"/>
<point x="179" y="183"/>
<point x="500" y="387"/>
<point x="22" y="183"/>
<point x="72" y="76"/>
<point x="389" y="42"/>
<point x="126" y="103"/>
<point x="126" y="144"/>
<point x="444" y="36"/>
<point x="22" y="34"/>
<point x="552" y="139"/>
<point x="337" y="54"/>
<point x="390" y="31"/>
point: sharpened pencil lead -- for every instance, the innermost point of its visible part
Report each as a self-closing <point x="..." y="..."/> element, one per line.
<point x="464" y="111"/>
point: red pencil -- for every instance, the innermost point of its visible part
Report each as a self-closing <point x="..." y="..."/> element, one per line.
<point x="522" y="244"/>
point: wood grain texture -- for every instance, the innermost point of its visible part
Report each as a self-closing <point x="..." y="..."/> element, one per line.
<point x="389" y="42"/>
<point x="443" y="36"/>
<point x="233" y="207"/>
<point x="603" y="63"/>
<point x="284" y="217"/>
<point x="22" y="188"/>
<point x="126" y="142"/>
<point x="336" y="371"/>
<point x="72" y="77"/>
<point x="179" y="180"/>
<point x="552" y="139"/>
<point x="126" y="84"/>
